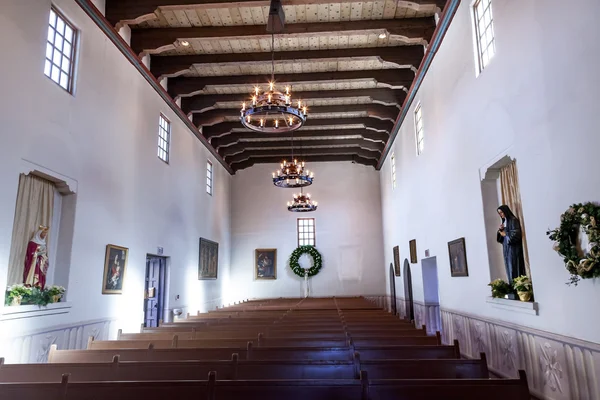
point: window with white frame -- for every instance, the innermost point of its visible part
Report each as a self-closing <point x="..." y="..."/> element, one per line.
<point x="420" y="135"/>
<point x="484" y="32"/>
<point x="164" y="138"/>
<point x="306" y="232"/>
<point x="60" y="50"/>
<point x="393" y="161"/>
<point x="209" y="178"/>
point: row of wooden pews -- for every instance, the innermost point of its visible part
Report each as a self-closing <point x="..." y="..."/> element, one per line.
<point x="321" y="348"/>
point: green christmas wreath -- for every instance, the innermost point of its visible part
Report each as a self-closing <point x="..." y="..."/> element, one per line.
<point x="311" y="251"/>
<point x="586" y="216"/>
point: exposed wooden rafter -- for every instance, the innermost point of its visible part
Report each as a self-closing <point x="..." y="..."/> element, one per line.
<point x="155" y="40"/>
<point x="226" y="128"/>
<point x="287" y="145"/>
<point x="383" y="96"/>
<point x="308" y="158"/>
<point x="400" y="55"/>
<point x="378" y="111"/>
<point x="394" y="78"/>
<point x="239" y="137"/>
<point x="282" y="153"/>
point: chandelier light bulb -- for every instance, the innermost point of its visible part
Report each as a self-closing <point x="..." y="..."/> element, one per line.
<point x="273" y="174"/>
<point x="248" y="118"/>
<point x="287" y="90"/>
<point x="304" y="110"/>
<point x="254" y="100"/>
<point x="299" y="103"/>
<point x="270" y="98"/>
<point x="244" y="106"/>
<point x="262" y="122"/>
<point x="256" y="90"/>
<point x="276" y="123"/>
<point x="271" y="86"/>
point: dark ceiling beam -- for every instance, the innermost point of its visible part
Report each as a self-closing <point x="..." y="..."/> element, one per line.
<point x="173" y="65"/>
<point x="393" y="78"/>
<point x="157" y="39"/>
<point x="298" y="145"/>
<point x="238" y="137"/>
<point x="309" y="159"/>
<point x="383" y="96"/>
<point x="119" y="12"/>
<point x="305" y="152"/>
<point x="226" y="128"/>
<point x="378" y="111"/>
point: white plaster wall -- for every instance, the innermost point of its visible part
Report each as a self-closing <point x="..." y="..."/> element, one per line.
<point x="348" y="231"/>
<point x="537" y="101"/>
<point x="105" y="138"/>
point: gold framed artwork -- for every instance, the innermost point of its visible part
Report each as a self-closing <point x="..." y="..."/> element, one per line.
<point x="208" y="259"/>
<point x="115" y="265"/>
<point x="397" y="260"/>
<point x="265" y="264"/>
<point x="458" y="257"/>
<point x="413" y="251"/>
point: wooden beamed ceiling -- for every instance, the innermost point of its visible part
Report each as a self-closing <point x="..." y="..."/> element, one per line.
<point x="332" y="53"/>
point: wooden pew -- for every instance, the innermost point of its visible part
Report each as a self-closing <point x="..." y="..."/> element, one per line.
<point x="212" y="389"/>
<point x="263" y="341"/>
<point x="247" y="370"/>
<point x="250" y="352"/>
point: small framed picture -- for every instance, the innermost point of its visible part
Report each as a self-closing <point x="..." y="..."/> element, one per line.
<point x="265" y="264"/>
<point x="397" y="260"/>
<point x="115" y="265"/>
<point x="208" y="259"/>
<point x="458" y="257"/>
<point x="413" y="251"/>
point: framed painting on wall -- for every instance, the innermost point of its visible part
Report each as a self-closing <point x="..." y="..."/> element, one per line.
<point x="208" y="259"/>
<point x="115" y="264"/>
<point x="413" y="251"/>
<point x="458" y="257"/>
<point x="397" y="260"/>
<point x="265" y="264"/>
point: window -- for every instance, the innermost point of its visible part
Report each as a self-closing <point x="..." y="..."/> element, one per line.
<point x="393" y="171"/>
<point x="209" y="178"/>
<point x="484" y="32"/>
<point x="60" y="51"/>
<point x="306" y="231"/>
<point x="419" y="130"/>
<point x="164" y="138"/>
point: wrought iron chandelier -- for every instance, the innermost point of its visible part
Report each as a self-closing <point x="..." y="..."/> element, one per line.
<point x="302" y="203"/>
<point x="292" y="175"/>
<point x="272" y="111"/>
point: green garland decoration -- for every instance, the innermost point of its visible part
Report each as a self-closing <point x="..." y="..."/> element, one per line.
<point x="311" y="251"/>
<point x="586" y="215"/>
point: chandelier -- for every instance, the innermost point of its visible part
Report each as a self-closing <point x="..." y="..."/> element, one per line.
<point x="302" y="203"/>
<point x="292" y="175"/>
<point x="272" y="111"/>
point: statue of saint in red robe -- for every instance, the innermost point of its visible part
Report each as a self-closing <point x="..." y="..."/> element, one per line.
<point x="36" y="259"/>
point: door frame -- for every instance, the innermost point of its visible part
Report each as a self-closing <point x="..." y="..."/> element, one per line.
<point x="394" y="308"/>
<point x="162" y="289"/>
<point x="408" y="290"/>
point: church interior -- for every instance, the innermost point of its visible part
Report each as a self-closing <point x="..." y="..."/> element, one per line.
<point x="268" y="199"/>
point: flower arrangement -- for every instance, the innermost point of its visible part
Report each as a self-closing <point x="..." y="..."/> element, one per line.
<point x="500" y="288"/>
<point x="579" y="264"/>
<point x="522" y="285"/>
<point x="16" y="293"/>
<point x="23" y="295"/>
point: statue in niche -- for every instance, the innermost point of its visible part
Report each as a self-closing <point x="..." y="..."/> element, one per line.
<point x="36" y="259"/>
<point x="510" y="235"/>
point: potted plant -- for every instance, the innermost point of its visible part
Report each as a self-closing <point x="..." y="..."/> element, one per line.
<point x="522" y="285"/>
<point x="500" y="288"/>
<point x="16" y="293"/>
<point x="55" y="293"/>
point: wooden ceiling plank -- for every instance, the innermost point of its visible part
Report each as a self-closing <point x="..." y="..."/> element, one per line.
<point x="156" y="40"/>
<point x="173" y="65"/>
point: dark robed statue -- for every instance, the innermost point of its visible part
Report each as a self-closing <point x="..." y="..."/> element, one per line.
<point x="511" y="237"/>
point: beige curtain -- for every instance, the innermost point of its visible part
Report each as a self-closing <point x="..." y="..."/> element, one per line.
<point x="511" y="196"/>
<point x="35" y="203"/>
